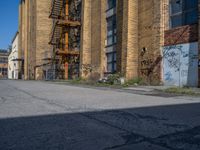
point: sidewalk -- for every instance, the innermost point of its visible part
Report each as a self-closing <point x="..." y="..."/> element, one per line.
<point x="163" y="91"/>
<point x="167" y="89"/>
<point x="147" y="88"/>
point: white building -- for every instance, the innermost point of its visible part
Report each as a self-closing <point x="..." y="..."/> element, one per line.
<point x="13" y="66"/>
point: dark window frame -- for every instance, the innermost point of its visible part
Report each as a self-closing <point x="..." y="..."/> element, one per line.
<point x="112" y="62"/>
<point x="183" y="14"/>
<point x="114" y="30"/>
<point x="111" y="6"/>
<point x="111" y="26"/>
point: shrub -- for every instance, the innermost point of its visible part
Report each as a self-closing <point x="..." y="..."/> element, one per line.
<point x="113" y="78"/>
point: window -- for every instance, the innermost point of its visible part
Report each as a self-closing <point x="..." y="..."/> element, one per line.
<point x="3" y="60"/>
<point x="3" y="71"/>
<point x="111" y="4"/>
<point x="111" y="30"/>
<point x="183" y="12"/>
<point x="111" y="37"/>
<point x="111" y="62"/>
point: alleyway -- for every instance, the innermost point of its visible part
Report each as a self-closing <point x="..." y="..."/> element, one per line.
<point x="38" y="115"/>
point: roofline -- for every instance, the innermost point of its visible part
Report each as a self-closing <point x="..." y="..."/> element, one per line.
<point x="15" y="36"/>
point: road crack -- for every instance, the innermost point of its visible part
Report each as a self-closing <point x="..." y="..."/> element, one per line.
<point x="2" y="100"/>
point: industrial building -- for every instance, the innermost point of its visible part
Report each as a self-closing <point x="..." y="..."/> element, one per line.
<point x="3" y="64"/>
<point x="181" y="57"/>
<point x="13" y="59"/>
<point x="157" y="40"/>
<point x="136" y="38"/>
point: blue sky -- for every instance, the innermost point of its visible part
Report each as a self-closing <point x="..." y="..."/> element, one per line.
<point x="8" y="21"/>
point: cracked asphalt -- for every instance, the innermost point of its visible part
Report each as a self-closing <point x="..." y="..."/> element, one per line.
<point x="38" y="115"/>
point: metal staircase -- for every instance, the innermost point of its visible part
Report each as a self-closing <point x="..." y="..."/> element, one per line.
<point x="56" y="9"/>
<point x="55" y="33"/>
<point x="65" y="35"/>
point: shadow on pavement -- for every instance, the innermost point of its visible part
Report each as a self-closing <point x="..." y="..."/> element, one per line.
<point x="150" y="128"/>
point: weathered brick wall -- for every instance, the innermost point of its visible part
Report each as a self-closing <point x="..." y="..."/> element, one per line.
<point x="140" y="36"/>
<point x="98" y="36"/>
<point x="93" y="35"/>
<point x="122" y="35"/>
<point x="25" y="41"/>
<point x="32" y="39"/>
<point x="20" y="52"/>
<point x="184" y="34"/>
<point x="43" y="30"/>
<point x="180" y="35"/>
<point x="34" y="30"/>
<point x="120" y="15"/>
<point x="103" y="63"/>
<point x="140" y="24"/>
<point x="24" y="36"/>
<point x="127" y="38"/>
<point x="132" y="40"/>
<point x="151" y="35"/>
<point x="85" y="50"/>
<point x="141" y="33"/>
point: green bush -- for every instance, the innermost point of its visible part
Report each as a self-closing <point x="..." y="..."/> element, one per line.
<point x="113" y="78"/>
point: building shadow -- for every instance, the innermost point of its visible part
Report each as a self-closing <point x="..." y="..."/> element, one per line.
<point x="147" y="128"/>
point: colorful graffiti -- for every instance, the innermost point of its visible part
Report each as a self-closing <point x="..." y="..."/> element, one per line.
<point x="180" y="64"/>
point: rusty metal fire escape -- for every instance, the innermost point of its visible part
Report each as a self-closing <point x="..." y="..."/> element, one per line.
<point x="65" y="35"/>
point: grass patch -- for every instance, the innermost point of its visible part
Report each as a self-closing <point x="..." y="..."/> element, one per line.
<point x="182" y="91"/>
<point x="135" y="82"/>
<point x="83" y="82"/>
<point x="113" y="81"/>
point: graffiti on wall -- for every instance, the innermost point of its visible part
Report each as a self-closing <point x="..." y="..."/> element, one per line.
<point x="171" y="54"/>
<point x="150" y="67"/>
<point x="145" y="63"/>
<point x="180" y="64"/>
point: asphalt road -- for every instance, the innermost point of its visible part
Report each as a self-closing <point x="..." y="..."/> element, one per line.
<point x="47" y="116"/>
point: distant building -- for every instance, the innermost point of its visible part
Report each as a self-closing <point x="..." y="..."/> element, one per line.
<point x="13" y="59"/>
<point x="3" y="64"/>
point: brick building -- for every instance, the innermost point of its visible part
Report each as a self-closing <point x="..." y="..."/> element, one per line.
<point x="3" y="64"/>
<point x="126" y="38"/>
<point x="156" y="40"/>
<point x="181" y="65"/>
<point x="34" y="30"/>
